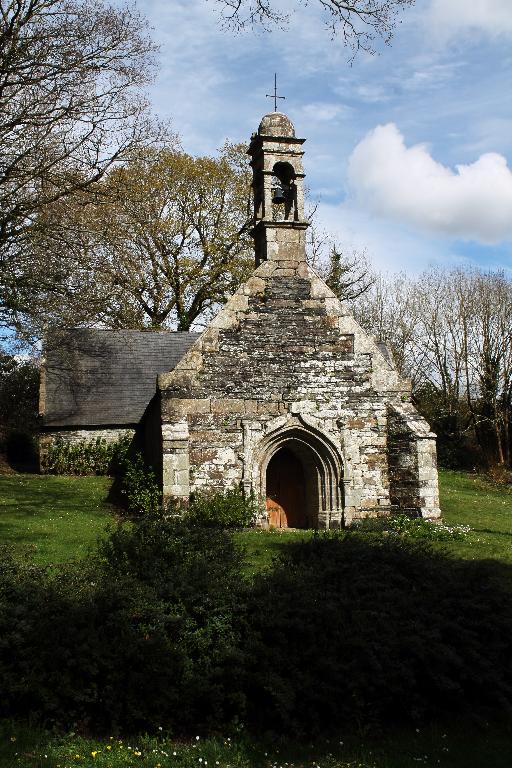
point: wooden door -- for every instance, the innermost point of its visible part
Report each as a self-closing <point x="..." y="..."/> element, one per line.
<point x="285" y="491"/>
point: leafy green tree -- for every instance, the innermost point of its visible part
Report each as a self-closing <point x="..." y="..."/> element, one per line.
<point x="19" y="392"/>
<point x="163" y="243"/>
<point x="349" y="277"/>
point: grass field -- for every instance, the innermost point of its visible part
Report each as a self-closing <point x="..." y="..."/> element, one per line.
<point x="486" y="508"/>
<point x="465" y="500"/>
<point x="457" y="746"/>
<point x="60" y="518"/>
<point x="54" y="518"/>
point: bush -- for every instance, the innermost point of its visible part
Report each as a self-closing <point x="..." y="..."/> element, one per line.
<point x="230" y="509"/>
<point x="86" y="457"/>
<point x="20" y="448"/>
<point x="500" y="474"/>
<point x="19" y="394"/>
<point x="139" y="488"/>
<point x="161" y="627"/>
<point x="146" y="633"/>
<point x="378" y="631"/>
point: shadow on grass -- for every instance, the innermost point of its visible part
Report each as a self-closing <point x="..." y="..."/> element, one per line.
<point x="40" y="495"/>
<point x="492" y="531"/>
<point x="368" y="629"/>
<point x="10" y="533"/>
<point x="353" y="631"/>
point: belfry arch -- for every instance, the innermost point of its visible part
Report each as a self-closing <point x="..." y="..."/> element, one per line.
<point x="301" y="479"/>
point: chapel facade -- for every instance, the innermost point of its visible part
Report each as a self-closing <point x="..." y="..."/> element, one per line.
<point x="283" y="394"/>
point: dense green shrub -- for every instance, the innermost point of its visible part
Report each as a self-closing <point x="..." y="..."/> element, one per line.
<point x="86" y="457"/>
<point x="139" y="489"/>
<point x="228" y="509"/>
<point x="19" y="394"/>
<point x="145" y="633"/>
<point x="163" y="627"/>
<point x="376" y="630"/>
<point x="20" y="448"/>
<point x="136" y="489"/>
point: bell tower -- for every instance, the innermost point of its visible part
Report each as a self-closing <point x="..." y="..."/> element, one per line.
<point x="278" y="185"/>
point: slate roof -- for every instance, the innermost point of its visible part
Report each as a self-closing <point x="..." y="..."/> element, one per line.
<point x="98" y="377"/>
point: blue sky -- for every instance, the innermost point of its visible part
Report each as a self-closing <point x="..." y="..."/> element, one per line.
<point x="409" y="151"/>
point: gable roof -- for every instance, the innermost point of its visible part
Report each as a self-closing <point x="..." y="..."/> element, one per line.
<point x="98" y="377"/>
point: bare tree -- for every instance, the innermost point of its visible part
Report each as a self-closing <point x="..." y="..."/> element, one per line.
<point x="71" y="73"/>
<point x="487" y="322"/>
<point x="358" y="22"/>
<point x="451" y="333"/>
<point x="387" y="310"/>
<point x="348" y="276"/>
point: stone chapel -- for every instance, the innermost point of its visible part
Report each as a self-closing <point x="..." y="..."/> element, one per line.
<point x="283" y="394"/>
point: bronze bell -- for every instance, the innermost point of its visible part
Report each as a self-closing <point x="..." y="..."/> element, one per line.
<point x="278" y="195"/>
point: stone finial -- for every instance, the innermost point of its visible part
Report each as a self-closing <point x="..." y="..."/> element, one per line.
<point x="276" y="124"/>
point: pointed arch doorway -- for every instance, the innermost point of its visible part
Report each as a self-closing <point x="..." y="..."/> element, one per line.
<point x="300" y="477"/>
<point x="286" y="491"/>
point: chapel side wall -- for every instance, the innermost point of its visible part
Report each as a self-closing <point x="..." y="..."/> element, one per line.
<point x="48" y="437"/>
<point x="403" y="466"/>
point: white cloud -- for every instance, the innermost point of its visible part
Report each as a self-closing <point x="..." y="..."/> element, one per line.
<point x="452" y="17"/>
<point x="323" y="111"/>
<point x="390" y="247"/>
<point x="472" y="203"/>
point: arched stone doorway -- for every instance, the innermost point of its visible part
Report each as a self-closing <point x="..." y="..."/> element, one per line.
<point x="301" y="479"/>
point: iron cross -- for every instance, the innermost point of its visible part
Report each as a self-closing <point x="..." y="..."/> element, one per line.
<point x="274" y="95"/>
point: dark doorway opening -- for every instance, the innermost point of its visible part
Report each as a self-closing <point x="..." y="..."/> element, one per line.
<point x="286" y="491"/>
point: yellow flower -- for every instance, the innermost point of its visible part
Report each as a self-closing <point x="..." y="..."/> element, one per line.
<point x="109" y="746"/>
<point x="94" y="754"/>
<point x="13" y="738"/>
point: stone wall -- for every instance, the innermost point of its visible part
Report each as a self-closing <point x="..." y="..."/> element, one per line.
<point x="283" y="361"/>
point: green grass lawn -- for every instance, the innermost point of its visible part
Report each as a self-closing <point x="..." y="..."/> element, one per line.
<point x="486" y="508"/>
<point x="465" y="500"/>
<point x="481" y="746"/>
<point x="59" y="518"/>
<point x="55" y="518"/>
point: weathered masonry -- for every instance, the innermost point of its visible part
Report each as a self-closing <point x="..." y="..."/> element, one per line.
<point x="283" y="393"/>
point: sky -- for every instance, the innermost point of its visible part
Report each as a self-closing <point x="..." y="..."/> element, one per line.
<point x="409" y="151"/>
